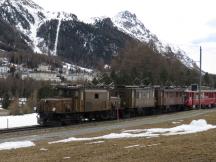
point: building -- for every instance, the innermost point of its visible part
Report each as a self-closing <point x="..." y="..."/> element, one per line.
<point x="46" y="76"/>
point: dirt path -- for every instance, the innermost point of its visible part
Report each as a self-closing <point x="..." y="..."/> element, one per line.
<point x="106" y="126"/>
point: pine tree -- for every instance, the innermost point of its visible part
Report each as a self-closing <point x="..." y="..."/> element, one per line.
<point x="206" y="79"/>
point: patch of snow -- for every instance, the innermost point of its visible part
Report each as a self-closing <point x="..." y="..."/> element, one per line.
<point x="16" y="145"/>
<point x="142" y="145"/>
<point x="57" y="34"/>
<point x="153" y="144"/>
<point x="194" y="127"/>
<point x="18" y="121"/>
<point x="43" y="149"/>
<point x="66" y="157"/>
<point x="92" y="20"/>
<point x="177" y="122"/>
<point x="76" y="67"/>
<point x="96" y="142"/>
<point x="132" y="146"/>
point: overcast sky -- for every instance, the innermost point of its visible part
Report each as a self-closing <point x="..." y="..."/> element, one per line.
<point x="185" y="23"/>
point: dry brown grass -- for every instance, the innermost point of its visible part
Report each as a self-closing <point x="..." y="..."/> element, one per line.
<point x="193" y="147"/>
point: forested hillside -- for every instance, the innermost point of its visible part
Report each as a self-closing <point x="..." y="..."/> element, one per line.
<point x="10" y="38"/>
<point x="140" y="65"/>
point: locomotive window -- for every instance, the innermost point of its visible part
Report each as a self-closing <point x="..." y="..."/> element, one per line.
<point x="60" y="93"/>
<point x="96" y="96"/>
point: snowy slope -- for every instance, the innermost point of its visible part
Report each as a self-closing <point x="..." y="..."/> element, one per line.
<point x="129" y="24"/>
<point x="28" y="17"/>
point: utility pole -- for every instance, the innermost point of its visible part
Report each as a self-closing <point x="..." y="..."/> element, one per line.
<point x="200" y="79"/>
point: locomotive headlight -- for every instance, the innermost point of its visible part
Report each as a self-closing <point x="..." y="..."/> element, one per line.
<point x="53" y="109"/>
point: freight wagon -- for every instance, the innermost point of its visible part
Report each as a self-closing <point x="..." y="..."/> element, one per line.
<point x="135" y="100"/>
<point x="169" y="99"/>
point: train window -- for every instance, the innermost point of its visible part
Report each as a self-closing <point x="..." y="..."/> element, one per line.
<point x="148" y="95"/>
<point x="60" y="93"/>
<point x="96" y="96"/>
<point x="81" y="96"/>
<point x="76" y="94"/>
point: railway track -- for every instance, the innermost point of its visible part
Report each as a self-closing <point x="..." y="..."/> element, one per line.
<point x="39" y="133"/>
<point x="20" y="129"/>
<point x="90" y="123"/>
<point x="39" y="127"/>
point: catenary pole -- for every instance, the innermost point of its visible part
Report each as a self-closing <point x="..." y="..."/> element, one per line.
<point x="200" y="79"/>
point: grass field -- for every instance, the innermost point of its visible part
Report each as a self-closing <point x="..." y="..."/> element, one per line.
<point x="192" y="147"/>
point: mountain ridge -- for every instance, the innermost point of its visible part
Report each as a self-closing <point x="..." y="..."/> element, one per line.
<point x="43" y="31"/>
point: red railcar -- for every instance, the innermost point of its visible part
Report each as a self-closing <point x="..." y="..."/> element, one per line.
<point x="207" y="98"/>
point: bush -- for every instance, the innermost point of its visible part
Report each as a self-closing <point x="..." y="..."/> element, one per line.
<point x="14" y="107"/>
<point x="31" y="102"/>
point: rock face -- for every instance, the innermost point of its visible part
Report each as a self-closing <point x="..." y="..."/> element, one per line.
<point x="62" y="34"/>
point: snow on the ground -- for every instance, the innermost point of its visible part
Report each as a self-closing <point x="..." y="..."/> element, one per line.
<point x="132" y="146"/>
<point x="66" y="157"/>
<point x="96" y="142"/>
<point x="43" y="149"/>
<point x="16" y="145"/>
<point x="155" y="144"/>
<point x="194" y="127"/>
<point x="18" y="121"/>
<point x="177" y="122"/>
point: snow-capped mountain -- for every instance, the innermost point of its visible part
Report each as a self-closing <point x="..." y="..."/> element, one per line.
<point x="129" y="23"/>
<point x="60" y="33"/>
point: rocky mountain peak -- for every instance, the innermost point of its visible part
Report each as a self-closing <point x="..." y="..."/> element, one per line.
<point x="21" y="12"/>
<point x="127" y="15"/>
<point x="24" y="3"/>
<point x="128" y="23"/>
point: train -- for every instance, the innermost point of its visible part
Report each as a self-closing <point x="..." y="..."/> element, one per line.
<point x="73" y="104"/>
